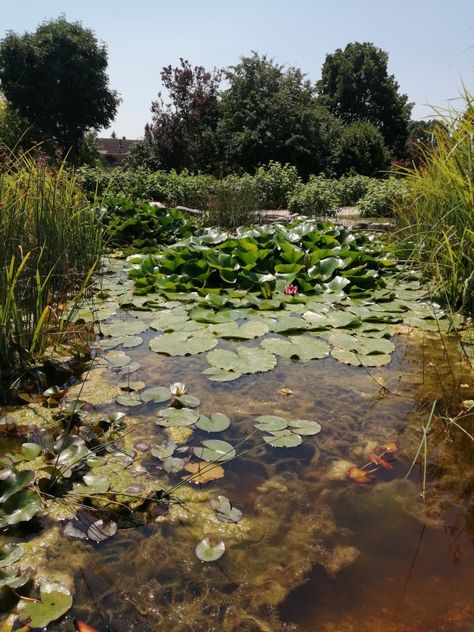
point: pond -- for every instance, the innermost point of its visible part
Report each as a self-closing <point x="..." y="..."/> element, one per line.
<point x="329" y="527"/>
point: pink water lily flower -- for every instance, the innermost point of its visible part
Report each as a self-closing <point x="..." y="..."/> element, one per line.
<point x="291" y="289"/>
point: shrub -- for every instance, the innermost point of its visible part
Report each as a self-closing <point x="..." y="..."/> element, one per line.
<point x="234" y="203"/>
<point x="317" y="197"/>
<point x="351" y="188"/>
<point x="274" y="184"/>
<point x="362" y="150"/>
<point x="382" y="197"/>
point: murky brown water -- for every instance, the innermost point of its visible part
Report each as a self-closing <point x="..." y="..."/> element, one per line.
<point x="316" y="554"/>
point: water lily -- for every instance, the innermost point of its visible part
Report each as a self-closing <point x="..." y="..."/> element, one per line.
<point x="291" y="289"/>
<point x="178" y="388"/>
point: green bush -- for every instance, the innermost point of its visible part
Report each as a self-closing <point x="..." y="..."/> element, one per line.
<point x="351" y="188"/>
<point x="274" y="184"/>
<point x="382" y="197"/>
<point x="317" y="197"/>
<point x="362" y="150"/>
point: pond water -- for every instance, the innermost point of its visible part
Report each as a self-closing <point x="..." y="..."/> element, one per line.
<point x="314" y="550"/>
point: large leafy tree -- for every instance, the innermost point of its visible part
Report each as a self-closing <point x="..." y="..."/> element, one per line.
<point x="56" y="79"/>
<point x="182" y="132"/>
<point x="270" y="113"/>
<point x="355" y="86"/>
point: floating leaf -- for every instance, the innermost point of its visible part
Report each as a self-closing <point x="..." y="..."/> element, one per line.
<point x="164" y="450"/>
<point x="215" y="450"/>
<point x="189" y="401"/>
<point x="359" y="476"/>
<point x="11" y="579"/>
<point x="173" y="464"/>
<point x="225" y="512"/>
<point x="178" y="417"/>
<point x="10" y="553"/>
<point x="244" y="360"/>
<point x="250" y="329"/>
<point x="220" y="375"/>
<point x="297" y="347"/>
<point x="55" y="600"/>
<point x="122" y="328"/>
<point x="271" y="423"/>
<point x="182" y="343"/>
<point x="304" y="427"/>
<point x="157" y="394"/>
<point x="130" y="368"/>
<point x="216" y="423"/>
<point x="203" y="472"/>
<point x="283" y="439"/>
<point x="71" y="531"/>
<point x="96" y="482"/>
<point x="129" y="399"/>
<point x="30" y="451"/>
<point x="208" y="552"/>
<point x="101" y="530"/>
<point x="378" y="460"/>
<point x="118" y="359"/>
<point x="14" y="482"/>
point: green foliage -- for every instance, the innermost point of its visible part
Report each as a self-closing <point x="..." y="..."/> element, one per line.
<point x="355" y="86"/>
<point x="437" y="215"/>
<point x="274" y="184"/>
<point x="140" y="225"/>
<point x="383" y="197"/>
<point x="234" y="203"/>
<point x="51" y="241"/>
<point x="56" y="79"/>
<point x="317" y="197"/>
<point x="351" y="188"/>
<point x="362" y="150"/>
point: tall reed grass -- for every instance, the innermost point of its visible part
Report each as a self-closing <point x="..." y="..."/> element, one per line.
<point x="437" y="216"/>
<point x="50" y="242"/>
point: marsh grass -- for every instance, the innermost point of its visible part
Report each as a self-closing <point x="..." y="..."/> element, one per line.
<point x="436" y="219"/>
<point x="50" y="243"/>
<point x="234" y="203"/>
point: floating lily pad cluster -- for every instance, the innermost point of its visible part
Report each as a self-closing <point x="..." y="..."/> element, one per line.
<point x="283" y="433"/>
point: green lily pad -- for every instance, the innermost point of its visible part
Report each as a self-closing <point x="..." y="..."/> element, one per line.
<point x="220" y="375"/>
<point x="130" y="368"/>
<point x="129" y="399"/>
<point x="96" y="482"/>
<point x="118" y="359"/>
<point x="71" y="456"/>
<point x="208" y="552"/>
<point x="283" y="439"/>
<point x="247" y="331"/>
<point x="183" y="343"/>
<point x="243" y="360"/>
<point x="173" y="464"/>
<point x="10" y="553"/>
<point x="189" y="401"/>
<point x="216" y="423"/>
<point x="177" y="417"/>
<point x="14" y="482"/>
<point x="225" y="512"/>
<point x="30" y="451"/>
<point x="304" y="427"/>
<point x="11" y="579"/>
<point x="102" y="530"/>
<point x="285" y="324"/>
<point x="215" y="450"/>
<point x="121" y="328"/>
<point x="302" y="348"/>
<point x="157" y="394"/>
<point x="19" y="507"/>
<point x="164" y="450"/>
<point x="271" y="423"/>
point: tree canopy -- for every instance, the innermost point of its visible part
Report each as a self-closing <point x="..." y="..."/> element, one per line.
<point x="56" y="79"/>
<point x="355" y="85"/>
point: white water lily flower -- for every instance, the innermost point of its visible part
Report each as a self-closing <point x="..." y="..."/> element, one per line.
<point x="178" y="388"/>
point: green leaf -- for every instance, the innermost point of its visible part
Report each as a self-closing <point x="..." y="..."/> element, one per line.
<point x="11" y="579"/>
<point x="178" y="417"/>
<point x="283" y="439"/>
<point x="19" y="507"/>
<point x="10" y="553"/>
<point x="172" y="465"/>
<point x="121" y="328"/>
<point x="271" y="423"/>
<point x="216" y="423"/>
<point x="207" y="552"/>
<point x="182" y="343"/>
<point x="129" y="399"/>
<point x="302" y="348"/>
<point x="304" y="427"/>
<point x="224" y="510"/>
<point x="215" y="450"/>
<point x="14" y="482"/>
<point x="164" y="450"/>
<point x="244" y="360"/>
<point x="189" y="401"/>
<point x="157" y="394"/>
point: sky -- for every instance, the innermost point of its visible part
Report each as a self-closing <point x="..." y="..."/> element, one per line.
<point x="430" y="43"/>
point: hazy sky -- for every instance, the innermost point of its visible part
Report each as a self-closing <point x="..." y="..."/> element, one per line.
<point x="430" y="42"/>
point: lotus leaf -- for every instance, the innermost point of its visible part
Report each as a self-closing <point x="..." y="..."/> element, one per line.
<point x="178" y="417"/>
<point x="10" y="553"/>
<point x="157" y="394"/>
<point x="215" y="450"/>
<point x="19" y="507"/>
<point x="101" y="530"/>
<point x="183" y="343"/>
<point x="216" y="423"/>
<point x="271" y="423"/>
<point x="15" y="482"/>
<point x="304" y="427"/>
<point x="208" y="552"/>
<point x="283" y="439"/>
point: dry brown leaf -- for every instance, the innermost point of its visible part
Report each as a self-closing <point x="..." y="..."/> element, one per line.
<point x="203" y="472"/>
<point x="358" y="476"/>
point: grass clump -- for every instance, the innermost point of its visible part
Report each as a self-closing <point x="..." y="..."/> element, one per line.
<point x="51" y="241"/>
<point x="437" y="217"/>
<point x="234" y="203"/>
<point x="317" y="197"/>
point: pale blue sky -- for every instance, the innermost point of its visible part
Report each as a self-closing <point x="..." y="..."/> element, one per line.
<point x="430" y="42"/>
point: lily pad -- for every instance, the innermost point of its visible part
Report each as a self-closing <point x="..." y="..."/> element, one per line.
<point x="14" y="482"/>
<point x="244" y="360"/>
<point x="302" y="348"/>
<point x="304" y="427"/>
<point x="178" y="417"/>
<point x="157" y="394"/>
<point x="215" y="450"/>
<point x="173" y="464"/>
<point x="102" y="530"/>
<point x="208" y="552"/>
<point x="121" y="328"/>
<point x="247" y="331"/>
<point x="203" y="472"/>
<point x="189" y="401"/>
<point x="283" y="439"/>
<point x="19" y="507"/>
<point x="225" y="512"/>
<point x="164" y="450"/>
<point x="271" y="423"/>
<point x="118" y="359"/>
<point x="183" y="343"/>
<point x="217" y="422"/>
<point x="11" y="579"/>
<point x="129" y="399"/>
<point x="10" y="553"/>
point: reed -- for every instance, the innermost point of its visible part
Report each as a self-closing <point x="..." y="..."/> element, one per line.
<point x="437" y="215"/>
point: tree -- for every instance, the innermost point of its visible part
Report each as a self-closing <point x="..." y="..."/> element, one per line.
<point x="56" y="79"/>
<point x="270" y="113"/>
<point x="355" y="86"/>
<point x="182" y="132"/>
<point x="362" y="150"/>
